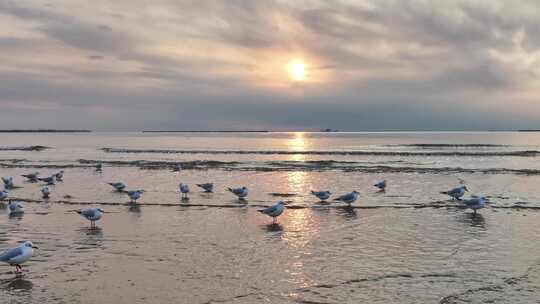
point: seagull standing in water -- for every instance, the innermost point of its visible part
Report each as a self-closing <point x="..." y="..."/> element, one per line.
<point x="348" y="198"/>
<point x="207" y="187"/>
<point x="241" y="193"/>
<point x="8" y="182"/>
<point x="274" y="211"/>
<point x="91" y="214"/>
<point x="3" y="195"/>
<point x="475" y="203"/>
<point x="48" y="180"/>
<point x="184" y="190"/>
<point x="15" y="208"/>
<point x="456" y="193"/>
<point x="59" y="175"/>
<point x="18" y="255"/>
<point x="134" y="195"/>
<point x="32" y="177"/>
<point x="322" y="195"/>
<point x="118" y="186"/>
<point x="381" y="185"/>
<point x="45" y="192"/>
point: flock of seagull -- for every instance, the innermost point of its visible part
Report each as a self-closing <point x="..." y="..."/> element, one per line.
<point x="18" y="255"/>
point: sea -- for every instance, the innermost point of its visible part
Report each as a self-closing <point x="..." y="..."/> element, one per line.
<point x="409" y="244"/>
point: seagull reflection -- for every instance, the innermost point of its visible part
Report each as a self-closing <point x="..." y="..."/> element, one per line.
<point x="90" y="238"/>
<point x="273" y="227"/>
<point x="349" y="213"/>
<point x="17" y="284"/>
<point x="135" y="208"/>
<point x="16" y="216"/>
<point x="474" y="220"/>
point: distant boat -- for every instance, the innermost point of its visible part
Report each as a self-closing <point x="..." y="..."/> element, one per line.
<point x="329" y="130"/>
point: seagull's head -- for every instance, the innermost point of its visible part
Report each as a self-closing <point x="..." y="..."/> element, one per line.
<point x="354" y="191"/>
<point x="29" y="244"/>
<point x="465" y="188"/>
<point x="100" y="210"/>
<point x="282" y="203"/>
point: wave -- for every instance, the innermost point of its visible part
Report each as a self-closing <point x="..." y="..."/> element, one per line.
<point x="450" y="145"/>
<point x="24" y="148"/>
<point x="274" y="166"/>
<point x="524" y="153"/>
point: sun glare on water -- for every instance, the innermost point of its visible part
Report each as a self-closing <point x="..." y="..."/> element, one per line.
<point x="297" y="70"/>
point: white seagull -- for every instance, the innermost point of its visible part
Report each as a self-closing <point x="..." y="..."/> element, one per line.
<point x="274" y="211"/>
<point x="32" y="177"/>
<point x="3" y="195"/>
<point x="475" y="203"/>
<point x="18" y="255"/>
<point x="118" y="186"/>
<point x="348" y="198"/>
<point x="45" y="192"/>
<point x="15" y="208"/>
<point x="8" y="182"/>
<point x="456" y="193"/>
<point x="48" y="180"/>
<point x="184" y="189"/>
<point x="207" y="187"/>
<point x="240" y="192"/>
<point x="134" y="195"/>
<point x="91" y="214"/>
<point x="381" y="185"/>
<point x="322" y="195"/>
<point x="59" y="175"/>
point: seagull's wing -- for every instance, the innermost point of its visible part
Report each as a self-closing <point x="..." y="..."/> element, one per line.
<point x="11" y="254"/>
<point x="269" y="210"/>
<point x="346" y="197"/>
<point x="88" y="212"/>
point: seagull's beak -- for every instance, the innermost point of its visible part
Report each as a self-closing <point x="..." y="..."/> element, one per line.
<point x="35" y="247"/>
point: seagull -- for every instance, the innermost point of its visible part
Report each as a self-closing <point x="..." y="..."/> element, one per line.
<point x="8" y="182"/>
<point x="381" y="185"/>
<point x="32" y="177"/>
<point x="91" y="214"/>
<point x="456" y="193"/>
<point x="119" y="186"/>
<point x="274" y="211"/>
<point x="45" y="192"/>
<point x="18" y="255"/>
<point x="184" y="189"/>
<point x="48" y="180"/>
<point x="3" y="195"/>
<point x="59" y="175"/>
<point x="15" y="208"/>
<point x="240" y="192"/>
<point x="348" y="198"/>
<point x="134" y="195"/>
<point x="207" y="187"/>
<point x="322" y="195"/>
<point x="476" y="203"/>
<point x="99" y="167"/>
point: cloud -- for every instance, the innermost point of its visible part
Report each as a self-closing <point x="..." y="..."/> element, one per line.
<point x="372" y="65"/>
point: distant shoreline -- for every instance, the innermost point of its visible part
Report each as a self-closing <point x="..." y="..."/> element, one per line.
<point x="44" y="131"/>
<point x="202" y="131"/>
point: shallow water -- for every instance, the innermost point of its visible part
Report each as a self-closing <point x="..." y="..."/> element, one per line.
<point x="408" y="245"/>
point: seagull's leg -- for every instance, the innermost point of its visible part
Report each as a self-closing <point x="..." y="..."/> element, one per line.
<point x="18" y="269"/>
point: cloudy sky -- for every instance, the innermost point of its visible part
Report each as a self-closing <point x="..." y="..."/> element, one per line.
<point x="234" y="64"/>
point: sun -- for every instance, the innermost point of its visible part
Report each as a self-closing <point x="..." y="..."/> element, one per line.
<point x="297" y="70"/>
